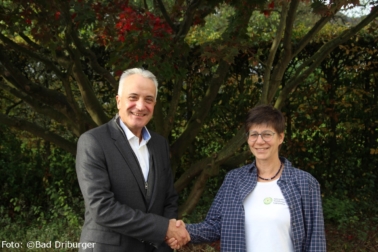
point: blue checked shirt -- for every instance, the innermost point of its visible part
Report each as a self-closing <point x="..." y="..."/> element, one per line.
<point x="225" y="219"/>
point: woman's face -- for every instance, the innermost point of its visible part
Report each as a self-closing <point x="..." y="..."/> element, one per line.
<point x="267" y="149"/>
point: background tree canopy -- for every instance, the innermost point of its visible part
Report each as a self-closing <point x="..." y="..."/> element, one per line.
<point x="59" y="67"/>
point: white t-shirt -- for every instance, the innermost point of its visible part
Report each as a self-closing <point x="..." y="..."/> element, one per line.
<point x="267" y="220"/>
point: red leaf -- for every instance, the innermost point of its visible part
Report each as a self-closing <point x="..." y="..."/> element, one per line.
<point x="118" y="72"/>
<point x="266" y="13"/>
<point x="57" y="15"/>
<point x="119" y="25"/>
<point x="271" y="5"/>
<point x="121" y="38"/>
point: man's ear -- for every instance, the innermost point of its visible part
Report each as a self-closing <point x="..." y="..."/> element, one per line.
<point x="118" y="100"/>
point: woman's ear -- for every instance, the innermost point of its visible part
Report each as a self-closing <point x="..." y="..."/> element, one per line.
<point x="282" y="137"/>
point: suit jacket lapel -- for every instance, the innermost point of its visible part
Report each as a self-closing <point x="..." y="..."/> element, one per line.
<point x="127" y="152"/>
<point x="153" y="166"/>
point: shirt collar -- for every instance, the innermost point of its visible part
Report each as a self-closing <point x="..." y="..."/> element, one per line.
<point x="146" y="136"/>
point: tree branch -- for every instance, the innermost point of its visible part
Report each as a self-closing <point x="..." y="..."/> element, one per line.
<point x="311" y="34"/>
<point x="173" y="105"/>
<point x="196" y="192"/>
<point x="237" y="160"/>
<point x="50" y="97"/>
<point x="164" y="124"/>
<point x="272" y="54"/>
<point x="29" y="41"/>
<point x="286" y="56"/>
<point x="207" y="167"/>
<point x="13" y="106"/>
<point x="188" y="19"/>
<point x="320" y="55"/>
<point x="80" y="117"/>
<point x="48" y="111"/>
<point x="91" y="102"/>
<point x="36" y="130"/>
<point x="236" y="29"/>
<point x="166" y="16"/>
<point x="198" y="118"/>
<point x="216" y="159"/>
<point x="48" y="63"/>
<point x="70" y="32"/>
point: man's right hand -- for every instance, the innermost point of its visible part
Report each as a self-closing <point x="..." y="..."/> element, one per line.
<point x="177" y="235"/>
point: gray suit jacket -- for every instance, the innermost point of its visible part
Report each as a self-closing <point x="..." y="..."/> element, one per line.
<point x="118" y="216"/>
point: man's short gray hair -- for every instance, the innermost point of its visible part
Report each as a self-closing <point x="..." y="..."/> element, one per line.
<point x="141" y="71"/>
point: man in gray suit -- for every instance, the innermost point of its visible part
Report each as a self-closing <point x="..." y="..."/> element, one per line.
<point x="125" y="176"/>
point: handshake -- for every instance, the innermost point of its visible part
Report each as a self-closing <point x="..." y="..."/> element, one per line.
<point x="177" y="235"/>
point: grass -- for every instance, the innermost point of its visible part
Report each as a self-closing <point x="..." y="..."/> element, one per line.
<point x="362" y="238"/>
<point x="15" y="235"/>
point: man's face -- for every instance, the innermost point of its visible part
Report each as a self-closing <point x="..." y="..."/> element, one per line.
<point x="136" y="103"/>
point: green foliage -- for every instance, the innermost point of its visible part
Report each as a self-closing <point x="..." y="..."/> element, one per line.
<point x="332" y="133"/>
<point x="340" y="211"/>
<point x="40" y="198"/>
<point x="215" y="25"/>
<point x="57" y="229"/>
<point x="59" y="65"/>
<point x="38" y="185"/>
<point x="206" y="200"/>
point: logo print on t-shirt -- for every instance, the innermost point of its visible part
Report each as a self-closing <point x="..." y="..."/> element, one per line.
<point x="268" y="200"/>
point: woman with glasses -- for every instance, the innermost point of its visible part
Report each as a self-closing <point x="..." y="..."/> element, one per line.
<point x="268" y="205"/>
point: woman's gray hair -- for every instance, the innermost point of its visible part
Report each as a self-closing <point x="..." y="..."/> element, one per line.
<point x="143" y="72"/>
